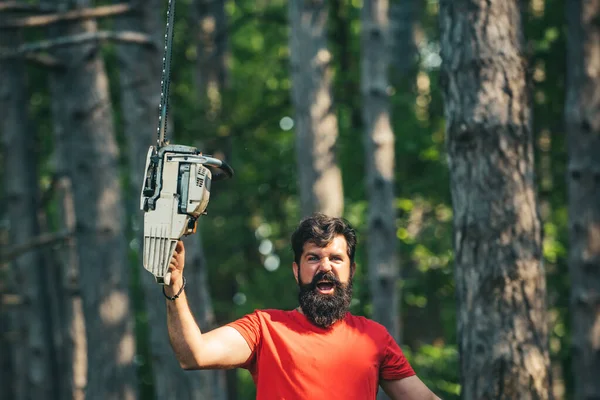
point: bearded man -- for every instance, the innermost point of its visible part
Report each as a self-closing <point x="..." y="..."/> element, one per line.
<point x="316" y="351"/>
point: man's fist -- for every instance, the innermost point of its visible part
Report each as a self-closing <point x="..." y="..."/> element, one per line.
<point x="176" y="265"/>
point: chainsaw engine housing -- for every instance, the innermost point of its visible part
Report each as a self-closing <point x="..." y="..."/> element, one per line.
<point x="176" y="191"/>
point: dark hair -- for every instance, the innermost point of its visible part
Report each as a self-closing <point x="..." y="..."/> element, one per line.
<point x="321" y="229"/>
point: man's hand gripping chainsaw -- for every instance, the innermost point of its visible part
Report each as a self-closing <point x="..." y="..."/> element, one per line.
<point x="176" y="187"/>
<point x="175" y="193"/>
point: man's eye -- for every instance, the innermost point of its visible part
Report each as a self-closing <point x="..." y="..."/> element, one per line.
<point x="312" y="258"/>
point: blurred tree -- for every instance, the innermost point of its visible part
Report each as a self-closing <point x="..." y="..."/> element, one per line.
<point x="33" y="371"/>
<point x="210" y="24"/>
<point x="315" y="119"/>
<point x="211" y="53"/>
<point x="582" y="116"/>
<point x="404" y="52"/>
<point x="382" y="252"/>
<point x="91" y="157"/>
<point x="70" y="335"/>
<point x="502" y="323"/>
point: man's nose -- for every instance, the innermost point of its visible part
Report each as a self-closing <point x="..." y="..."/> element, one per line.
<point x="325" y="265"/>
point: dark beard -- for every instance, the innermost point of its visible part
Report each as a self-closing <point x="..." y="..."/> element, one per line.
<point x="322" y="309"/>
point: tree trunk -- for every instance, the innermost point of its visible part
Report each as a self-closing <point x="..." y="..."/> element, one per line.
<point x="404" y="50"/>
<point x="316" y="123"/>
<point x="91" y="158"/>
<point x="7" y="310"/>
<point x="211" y="384"/>
<point x="500" y="282"/>
<point x="211" y="81"/>
<point x="34" y="370"/>
<point x="71" y="334"/>
<point x="211" y="47"/>
<point x="74" y="371"/>
<point x="383" y="262"/>
<point x="379" y="146"/>
<point x="72" y="331"/>
<point x="582" y="117"/>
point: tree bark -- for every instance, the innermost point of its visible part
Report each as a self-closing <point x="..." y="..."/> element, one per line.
<point x="210" y="384"/>
<point x="33" y="356"/>
<point x="320" y="177"/>
<point x="212" y="52"/>
<point x="73" y="362"/>
<point x="382" y="255"/>
<point x="403" y="41"/>
<point x="75" y="366"/>
<point x="211" y="80"/>
<point x="383" y="259"/>
<point x="91" y="162"/>
<point x="582" y="117"/>
<point x="500" y="279"/>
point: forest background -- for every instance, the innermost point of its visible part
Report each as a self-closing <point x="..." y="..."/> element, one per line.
<point x="78" y="309"/>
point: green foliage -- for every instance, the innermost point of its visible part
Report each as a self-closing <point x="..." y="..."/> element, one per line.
<point x="438" y="368"/>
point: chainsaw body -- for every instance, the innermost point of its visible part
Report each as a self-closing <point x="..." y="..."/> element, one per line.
<point x="176" y="191"/>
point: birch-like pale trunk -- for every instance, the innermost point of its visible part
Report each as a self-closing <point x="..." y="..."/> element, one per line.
<point x="91" y="162"/>
<point x="33" y="356"/>
<point x="582" y="115"/>
<point x="316" y="126"/>
<point x="382" y="255"/>
<point x="383" y="260"/>
<point x="500" y="278"/>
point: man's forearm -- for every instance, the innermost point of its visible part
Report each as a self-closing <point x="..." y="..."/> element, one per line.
<point x="184" y="333"/>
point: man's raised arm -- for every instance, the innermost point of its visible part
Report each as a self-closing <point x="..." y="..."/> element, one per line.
<point x="223" y="347"/>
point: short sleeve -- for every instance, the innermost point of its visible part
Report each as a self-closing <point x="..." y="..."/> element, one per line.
<point x="249" y="327"/>
<point x="393" y="364"/>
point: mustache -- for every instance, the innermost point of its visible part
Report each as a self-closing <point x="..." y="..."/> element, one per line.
<point x="325" y="276"/>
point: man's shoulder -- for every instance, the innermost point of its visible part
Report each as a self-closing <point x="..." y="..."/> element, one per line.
<point x="272" y="314"/>
<point x="259" y="318"/>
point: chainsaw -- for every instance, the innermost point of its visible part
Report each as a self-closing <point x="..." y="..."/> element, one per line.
<point x="177" y="183"/>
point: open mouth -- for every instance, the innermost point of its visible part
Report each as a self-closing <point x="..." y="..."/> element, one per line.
<point x="325" y="287"/>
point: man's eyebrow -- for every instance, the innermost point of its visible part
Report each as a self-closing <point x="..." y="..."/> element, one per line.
<point x="333" y="254"/>
<point x="311" y="253"/>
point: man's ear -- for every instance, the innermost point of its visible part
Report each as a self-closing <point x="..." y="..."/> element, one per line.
<point x="352" y="269"/>
<point x="295" y="269"/>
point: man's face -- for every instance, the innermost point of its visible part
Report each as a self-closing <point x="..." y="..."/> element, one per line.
<point x="325" y="279"/>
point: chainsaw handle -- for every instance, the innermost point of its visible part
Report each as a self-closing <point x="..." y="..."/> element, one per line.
<point x="225" y="170"/>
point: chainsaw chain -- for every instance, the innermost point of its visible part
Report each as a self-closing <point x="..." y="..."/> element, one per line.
<point x="166" y="75"/>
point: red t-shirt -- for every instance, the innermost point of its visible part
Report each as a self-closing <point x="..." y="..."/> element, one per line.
<point x="294" y="359"/>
